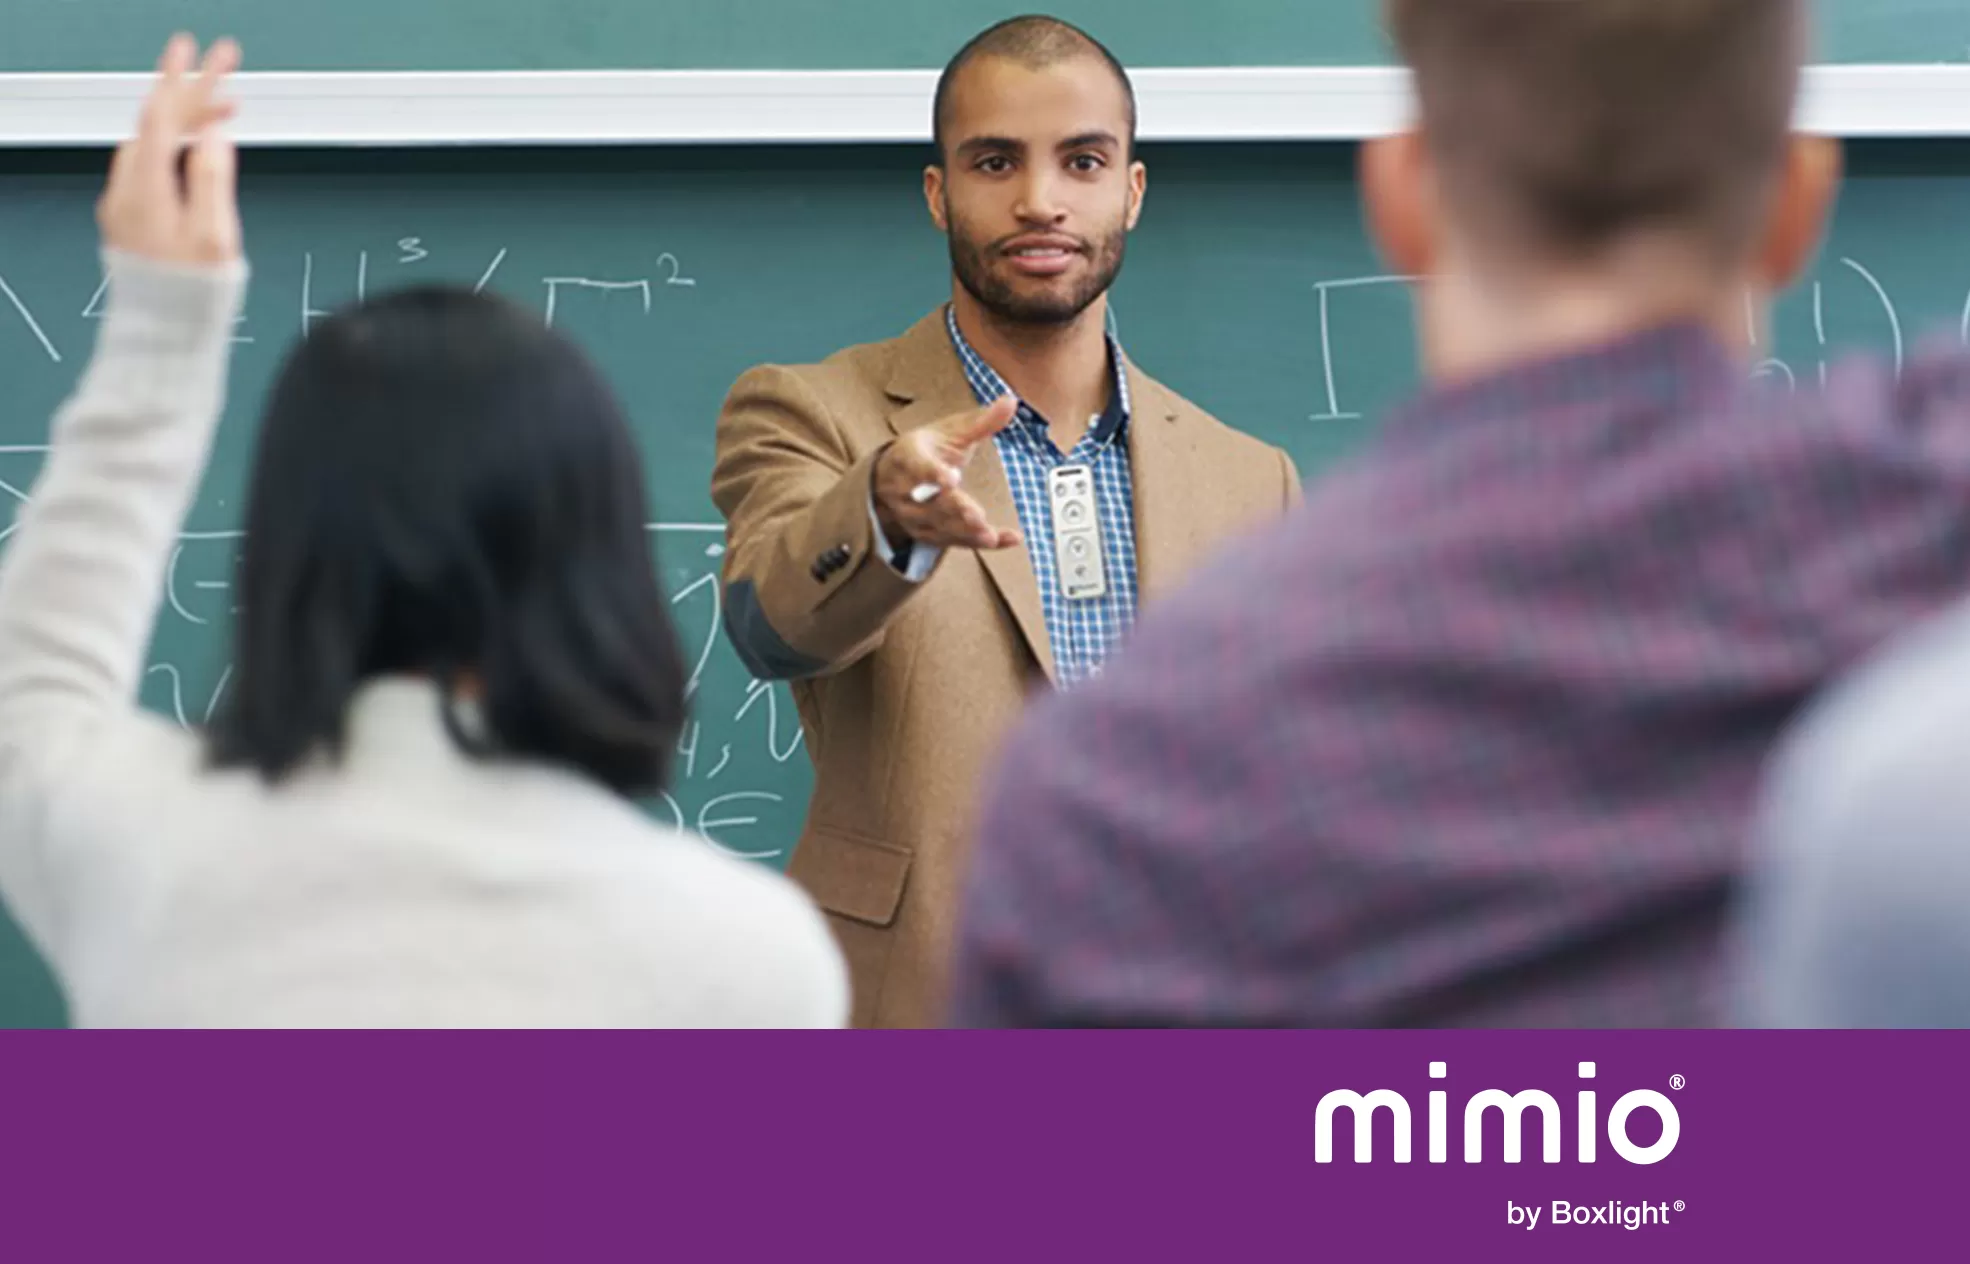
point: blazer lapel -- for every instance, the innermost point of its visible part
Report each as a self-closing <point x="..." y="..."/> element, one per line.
<point x="929" y="384"/>
<point x="1171" y="480"/>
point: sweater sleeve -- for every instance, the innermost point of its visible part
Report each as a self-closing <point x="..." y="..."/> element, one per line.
<point x="83" y="573"/>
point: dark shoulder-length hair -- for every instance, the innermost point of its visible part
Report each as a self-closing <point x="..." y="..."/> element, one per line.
<point x="446" y="488"/>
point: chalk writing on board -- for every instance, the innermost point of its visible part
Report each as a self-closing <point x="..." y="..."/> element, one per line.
<point x="410" y="251"/>
<point x="716" y="819"/>
<point x="556" y="284"/>
<point x="15" y="494"/>
<point x="676" y="276"/>
<point x="1887" y="304"/>
<point x="169" y="672"/>
<point x="94" y="311"/>
<point x="1325" y="289"/>
<point x="33" y="325"/>
<point x="1773" y="367"/>
<point x="756" y="691"/>
<point x="703" y="582"/>
<point x="486" y="279"/>
<point x="309" y="312"/>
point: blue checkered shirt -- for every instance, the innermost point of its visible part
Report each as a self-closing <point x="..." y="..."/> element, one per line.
<point x="1080" y="632"/>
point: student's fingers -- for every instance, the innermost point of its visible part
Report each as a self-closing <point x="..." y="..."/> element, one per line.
<point x="161" y="125"/>
<point x="116" y="186"/>
<point x="204" y="101"/>
<point x="221" y="60"/>
<point x="211" y="179"/>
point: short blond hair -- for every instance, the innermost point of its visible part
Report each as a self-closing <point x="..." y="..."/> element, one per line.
<point x="1567" y="124"/>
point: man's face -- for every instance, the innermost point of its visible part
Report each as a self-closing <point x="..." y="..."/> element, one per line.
<point x="1037" y="193"/>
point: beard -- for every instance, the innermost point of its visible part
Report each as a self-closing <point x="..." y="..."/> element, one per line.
<point x="977" y="267"/>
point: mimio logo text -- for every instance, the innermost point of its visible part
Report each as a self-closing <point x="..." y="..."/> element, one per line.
<point x="1366" y="1107"/>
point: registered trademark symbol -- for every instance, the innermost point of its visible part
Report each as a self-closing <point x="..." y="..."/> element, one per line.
<point x="1676" y="1082"/>
<point x="1679" y="1204"/>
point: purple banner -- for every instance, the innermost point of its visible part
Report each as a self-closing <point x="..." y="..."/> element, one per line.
<point x="963" y="1146"/>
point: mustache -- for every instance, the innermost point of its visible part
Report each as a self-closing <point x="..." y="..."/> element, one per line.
<point x="1003" y="245"/>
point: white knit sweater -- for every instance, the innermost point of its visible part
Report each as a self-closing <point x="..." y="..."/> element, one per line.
<point x="408" y="886"/>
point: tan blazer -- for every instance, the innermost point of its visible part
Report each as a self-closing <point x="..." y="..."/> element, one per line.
<point x="904" y="690"/>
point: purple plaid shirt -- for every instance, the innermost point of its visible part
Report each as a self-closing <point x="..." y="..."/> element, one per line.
<point x="1472" y="738"/>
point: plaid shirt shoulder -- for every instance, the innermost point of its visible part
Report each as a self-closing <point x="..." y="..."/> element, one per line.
<point x="1474" y="741"/>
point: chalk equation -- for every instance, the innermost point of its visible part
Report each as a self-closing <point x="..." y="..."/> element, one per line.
<point x="666" y="275"/>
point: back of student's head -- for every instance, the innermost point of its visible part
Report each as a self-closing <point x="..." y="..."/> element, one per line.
<point x="1559" y="127"/>
<point x="445" y="488"/>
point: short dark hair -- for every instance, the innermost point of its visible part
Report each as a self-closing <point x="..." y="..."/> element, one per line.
<point x="446" y="488"/>
<point x="1569" y="123"/>
<point x="1032" y="40"/>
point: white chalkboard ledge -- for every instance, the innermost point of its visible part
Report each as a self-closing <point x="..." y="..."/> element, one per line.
<point x="1293" y="103"/>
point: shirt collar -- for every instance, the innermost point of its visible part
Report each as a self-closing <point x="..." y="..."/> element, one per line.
<point x="987" y="385"/>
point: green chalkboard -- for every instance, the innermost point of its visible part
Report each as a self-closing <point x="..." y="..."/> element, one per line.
<point x="794" y="34"/>
<point x="726" y="258"/>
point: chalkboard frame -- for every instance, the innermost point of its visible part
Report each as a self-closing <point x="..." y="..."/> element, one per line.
<point x="495" y="108"/>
